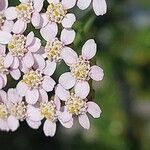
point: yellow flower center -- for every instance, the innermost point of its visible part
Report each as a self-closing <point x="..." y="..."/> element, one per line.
<point x="24" y="11"/>
<point x="81" y="69"/>
<point x="53" y="50"/>
<point x="56" y="12"/>
<point x="33" y="79"/>
<point x="16" y="45"/>
<point x="48" y="110"/>
<point x="2" y="19"/>
<point x="3" y="111"/>
<point x="19" y="110"/>
<point x="75" y="105"/>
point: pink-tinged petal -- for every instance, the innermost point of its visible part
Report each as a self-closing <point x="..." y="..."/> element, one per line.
<point x="50" y="68"/>
<point x="36" y="19"/>
<point x="33" y="113"/>
<point x="100" y="7"/>
<point x="33" y="124"/>
<point x="39" y="62"/>
<point x="35" y="46"/>
<point x="8" y="60"/>
<point x="49" y="128"/>
<point x="83" y="4"/>
<point x="8" y="25"/>
<point x="30" y="38"/>
<point x="48" y="84"/>
<point x="67" y="36"/>
<point x="3" y="4"/>
<point x="5" y="37"/>
<point x="1" y="82"/>
<point x="49" y="31"/>
<point x="19" y="27"/>
<point x="65" y="116"/>
<point x="62" y="93"/>
<point x="68" y="4"/>
<point x="93" y="109"/>
<point x="4" y="77"/>
<point x="10" y="13"/>
<point x="21" y="85"/>
<point x="57" y="102"/>
<point x="3" y="96"/>
<point x="69" y="56"/>
<point x="15" y="63"/>
<point x="16" y="74"/>
<point x="67" y="80"/>
<point x="69" y="20"/>
<point x="53" y="1"/>
<point x="2" y="49"/>
<point x="43" y="96"/>
<point x="89" y="49"/>
<point x="38" y="5"/>
<point x="13" y="96"/>
<point x="4" y="125"/>
<point x="68" y="124"/>
<point x="44" y="20"/>
<point x="96" y="73"/>
<point x="32" y="96"/>
<point x="13" y="123"/>
<point x="28" y="60"/>
<point x="82" y="89"/>
<point x="84" y="121"/>
<point x="23" y="68"/>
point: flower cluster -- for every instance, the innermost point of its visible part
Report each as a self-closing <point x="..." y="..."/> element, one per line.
<point x="31" y="62"/>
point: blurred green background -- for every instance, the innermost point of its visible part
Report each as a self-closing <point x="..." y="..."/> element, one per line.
<point x="123" y="37"/>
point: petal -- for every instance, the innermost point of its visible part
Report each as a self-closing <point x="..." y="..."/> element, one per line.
<point x="19" y="27"/>
<point x="15" y="63"/>
<point x="8" y="60"/>
<point x="48" y="84"/>
<point x="8" y="26"/>
<point x="1" y="82"/>
<point x="30" y="38"/>
<point x="3" y="4"/>
<point x="28" y="60"/>
<point x="100" y="7"/>
<point x="65" y="116"/>
<point x="82" y="89"/>
<point x="84" y="121"/>
<point x="32" y="96"/>
<point x="83" y="4"/>
<point x="35" y="46"/>
<point x="21" y="85"/>
<point x="3" y="96"/>
<point x="93" y="109"/>
<point x="62" y="93"/>
<point x="43" y="96"/>
<point x="33" y="124"/>
<point x="67" y="80"/>
<point x="2" y="49"/>
<point x="39" y="62"/>
<point x="49" y="31"/>
<point x="68" y="124"/>
<point x="38" y="5"/>
<point x="4" y="125"/>
<point x="57" y="102"/>
<point x="10" y="13"/>
<point x="5" y="37"/>
<point x="50" y="68"/>
<point x="36" y="19"/>
<point x="68" y="4"/>
<point x="67" y="36"/>
<point x="44" y="20"/>
<point x="13" y="123"/>
<point x="53" y="1"/>
<point x="4" y="78"/>
<point x="89" y="49"/>
<point x="69" y="20"/>
<point x="69" y="56"/>
<point x="16" y="74"/>
<point x="96" y="73"/>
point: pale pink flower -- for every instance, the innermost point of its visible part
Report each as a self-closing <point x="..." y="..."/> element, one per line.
<point x="81" y="69"/>
<point x="56" y="14"/>
<point x="4" y="71"/>
<point x="4" y="112"/>
<point x="36" y="83"/>
<point x="52" y="50"/>
<point x="76" y="106"/>
<point x="50" y="111"/>
<point x="99" y="6"/>
<point x="27" y="11"/>
<point x="23" y="51"/>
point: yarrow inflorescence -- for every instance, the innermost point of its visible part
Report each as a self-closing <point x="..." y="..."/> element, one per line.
<point x="32" y="60"/>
